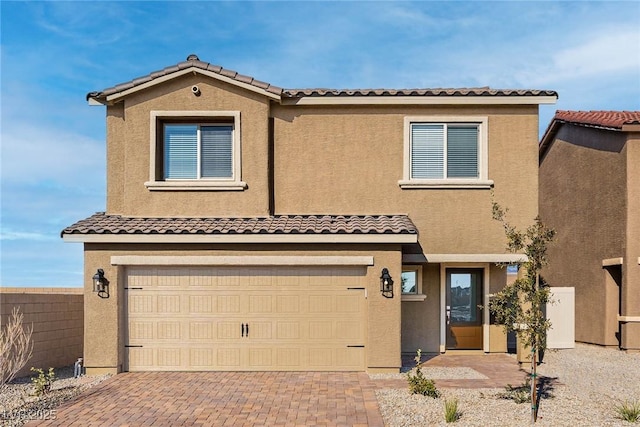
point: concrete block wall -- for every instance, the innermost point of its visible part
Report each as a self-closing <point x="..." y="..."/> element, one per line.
<point x="58" y="323"/>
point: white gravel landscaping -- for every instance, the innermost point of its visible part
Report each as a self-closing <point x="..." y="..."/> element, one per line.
<point x="18" y="405"/>
<point x="591" y="382"/>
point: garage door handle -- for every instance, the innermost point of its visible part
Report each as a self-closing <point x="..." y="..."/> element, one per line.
<point x="247" y="325"/>
<point x="243" y="329"/>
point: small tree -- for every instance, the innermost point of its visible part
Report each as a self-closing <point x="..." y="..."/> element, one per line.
<point x="519" y="306"/>
<point x="16" y="347"/>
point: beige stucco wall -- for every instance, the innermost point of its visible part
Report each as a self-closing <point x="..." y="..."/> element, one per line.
<point x="582" y="196"/>
<point x="421" y="319"/>
<point x="128" y="148"/>
<point x="56" y="315"/>
<point x="104" y="343"/>
<point x="348" y="160"/>
<point x="631" y="270"/>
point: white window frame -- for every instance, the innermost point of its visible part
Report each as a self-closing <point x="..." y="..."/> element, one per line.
<point x="482" y="181"/>
<point x="419" y="295"/>
<point x="155" y="183"/>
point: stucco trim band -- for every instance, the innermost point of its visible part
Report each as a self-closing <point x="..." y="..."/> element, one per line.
<point x="438" y="258"/>
<point x="629" y="319"/>
<point x="241" y="238"/>
<point x="612" y="261"/>
<point x="247" y="260"/>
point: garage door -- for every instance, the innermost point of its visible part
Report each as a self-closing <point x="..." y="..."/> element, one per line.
<point x="248" y="318"/>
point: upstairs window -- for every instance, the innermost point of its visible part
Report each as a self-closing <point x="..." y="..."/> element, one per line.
<point x="195" y="151"/>
<point x="445" y="152"/>
<point x="440" y="151"/>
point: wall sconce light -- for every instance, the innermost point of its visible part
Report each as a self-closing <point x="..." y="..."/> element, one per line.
<point x="386" y="284"/>
<point x="100" y="284"/>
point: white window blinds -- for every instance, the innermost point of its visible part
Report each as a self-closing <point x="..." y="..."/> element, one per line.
<point x="193" y="151"/>
<point x="440" y="151"/>
<point x="462" y="151"/>
<point x="180" y="151"/>
<point x="427" y="151"/>
<point x="217" y="151"/>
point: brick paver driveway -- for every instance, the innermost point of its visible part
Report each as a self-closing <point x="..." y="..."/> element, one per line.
<point x="226" y="398"/>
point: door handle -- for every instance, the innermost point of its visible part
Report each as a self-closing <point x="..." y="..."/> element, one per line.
<point x="243" y="329"/>
<point x="247" y="330"/>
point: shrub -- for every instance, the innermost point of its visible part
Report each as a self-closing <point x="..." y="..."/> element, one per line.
<point x="418" y="383"/>
<point x="451" y="412"/>
<point x="519" y="394"/>
<point x="16" y="347"/>
<point x="43" y="382"/>
<point x="629" y="411"/>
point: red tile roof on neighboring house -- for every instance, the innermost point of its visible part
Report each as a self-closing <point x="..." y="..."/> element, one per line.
<point x="101" y="223"/>
<point x="194" y="61"/>
<point x="606" y="119"/>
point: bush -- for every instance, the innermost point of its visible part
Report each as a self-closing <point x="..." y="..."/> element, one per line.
<point x="43" y="382"/>
<point x="418" y="383"/>
<point x="519" y="394"/>
<point x="16" y="347"/>
<point x="451" y="413"/>
<point x="629" y="411"/>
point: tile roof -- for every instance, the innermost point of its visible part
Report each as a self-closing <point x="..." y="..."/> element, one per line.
<point x="606" y="119"/>
<point x="101" y="223"/>
<point x="481" y="91"/>
<point x="194" y="61"/>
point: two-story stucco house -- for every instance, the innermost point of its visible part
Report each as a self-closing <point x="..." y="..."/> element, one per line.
<point x="590" y="194"/>
<point x="250" y="227"/>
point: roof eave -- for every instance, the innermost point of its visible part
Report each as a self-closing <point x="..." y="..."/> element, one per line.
<point x="253" y="238"/>
<point x="99" y="98"/>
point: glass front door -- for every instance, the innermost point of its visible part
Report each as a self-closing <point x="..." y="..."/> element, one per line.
<point x="464" y="316"/>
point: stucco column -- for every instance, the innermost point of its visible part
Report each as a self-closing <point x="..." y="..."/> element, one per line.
<point x="101" y="315"/>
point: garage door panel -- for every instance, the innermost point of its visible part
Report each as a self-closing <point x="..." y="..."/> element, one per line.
<point x="227" y="358"/>
<point x="200" y="303"/>
<point x="288" y="304"/>
<point x="192" y="318"/>
<point x="261" y="357"/>
<point x="201" y="358"/>
<point x="228" y="330"/>
<point x="259" y="304"/>
<point x="201" y="331"/>
<point x="227" y="304"/>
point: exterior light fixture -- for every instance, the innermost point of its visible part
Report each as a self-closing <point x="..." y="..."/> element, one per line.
<point x="386" y="284"/>
<point x="100" y="284"/>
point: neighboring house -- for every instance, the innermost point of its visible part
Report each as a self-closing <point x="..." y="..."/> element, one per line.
<point x="250" y="227"/>
<point x="590" y="194"/>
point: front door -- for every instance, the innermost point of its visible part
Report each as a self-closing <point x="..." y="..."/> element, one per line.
<point x="464" y="316"/>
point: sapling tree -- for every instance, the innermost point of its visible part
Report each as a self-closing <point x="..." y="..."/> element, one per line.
<point x="520" y="305"/>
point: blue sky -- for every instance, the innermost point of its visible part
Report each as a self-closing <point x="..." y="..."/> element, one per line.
<point x="53" y="53"/>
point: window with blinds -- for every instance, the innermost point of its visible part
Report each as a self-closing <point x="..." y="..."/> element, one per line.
<point x="194" y="151"/>
<point x="441" y="151"/>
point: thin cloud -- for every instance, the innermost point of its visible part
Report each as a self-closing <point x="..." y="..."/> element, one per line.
<point x="34" y="154"/>
<point x="24" y="235"/>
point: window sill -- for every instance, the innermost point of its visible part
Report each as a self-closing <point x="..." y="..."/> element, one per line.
<point x="195" y="185"/>
<point x="446" y="183"/>
<point x="413" y="297"/>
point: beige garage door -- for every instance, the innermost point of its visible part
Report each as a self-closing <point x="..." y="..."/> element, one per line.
<point x="248" y="318"/>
